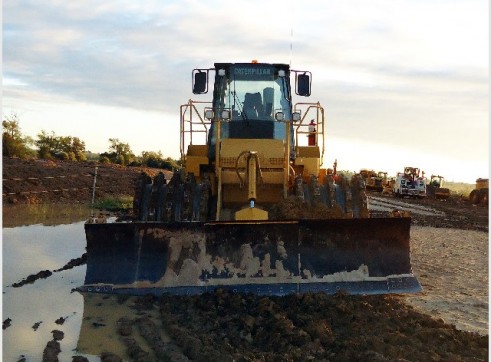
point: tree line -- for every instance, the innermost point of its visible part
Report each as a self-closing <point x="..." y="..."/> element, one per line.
<point x="67" y="148"/>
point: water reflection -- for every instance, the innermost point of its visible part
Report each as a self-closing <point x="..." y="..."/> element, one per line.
<point x="19" y="215"/>
<point x="30" y="249"/>
<point x="27" y="250"/>
<point x="43" y="303"/>
<point x="42" y="237"/>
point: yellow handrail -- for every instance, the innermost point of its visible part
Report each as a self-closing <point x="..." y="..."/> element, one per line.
<point x="306" y="110"/>
<point x="189" y="126"/>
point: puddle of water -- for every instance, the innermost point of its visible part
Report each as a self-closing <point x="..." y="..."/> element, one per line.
<point x="90" y="320"/>
<point x="30" y="249"/>
<point x="19" y="215"/>
<point x="27" y="250"/>
<point x="45" y="301"/>
<point x="98" y="331"/>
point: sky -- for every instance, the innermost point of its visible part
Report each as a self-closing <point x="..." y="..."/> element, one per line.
<point x="403" y="82"/>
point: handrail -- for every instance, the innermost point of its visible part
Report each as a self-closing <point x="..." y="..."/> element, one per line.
<point x="190" y="126"/>
<point x="303" y="124"/>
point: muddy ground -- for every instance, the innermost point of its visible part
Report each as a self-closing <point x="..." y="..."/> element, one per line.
<point x="224" y="326"/>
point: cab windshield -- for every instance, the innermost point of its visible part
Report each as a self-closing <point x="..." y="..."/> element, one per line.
<point x="254" y="93"/>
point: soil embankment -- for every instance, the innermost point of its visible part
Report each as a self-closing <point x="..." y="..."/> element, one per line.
<point x="58" y="182"/>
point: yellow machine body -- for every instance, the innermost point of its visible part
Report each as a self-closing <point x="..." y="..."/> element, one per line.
<point x="252" y="209"/>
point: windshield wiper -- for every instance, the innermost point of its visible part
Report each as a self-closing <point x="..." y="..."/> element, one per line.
<point x="241" y="106"/>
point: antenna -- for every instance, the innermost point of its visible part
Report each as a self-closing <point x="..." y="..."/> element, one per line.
<point x="291" y="45"/>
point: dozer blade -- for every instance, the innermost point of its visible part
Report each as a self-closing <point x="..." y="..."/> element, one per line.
<point x="359" y="256"/>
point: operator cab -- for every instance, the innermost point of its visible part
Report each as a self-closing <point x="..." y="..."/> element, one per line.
<point x="251" y="100"/>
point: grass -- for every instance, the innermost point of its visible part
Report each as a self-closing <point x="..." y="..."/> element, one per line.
<point x="114" y="203"/>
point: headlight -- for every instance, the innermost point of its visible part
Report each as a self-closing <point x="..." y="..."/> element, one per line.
<point x="209" y="114"/>
<point x="279" y="116"/>
<point x="296" y="116"/>
<point x="226" y="114"/>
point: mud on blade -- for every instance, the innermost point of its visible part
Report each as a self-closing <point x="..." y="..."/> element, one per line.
<point x="362" y="256"/>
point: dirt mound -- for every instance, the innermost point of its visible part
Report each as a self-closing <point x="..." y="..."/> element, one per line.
<point x="62" y="182"/>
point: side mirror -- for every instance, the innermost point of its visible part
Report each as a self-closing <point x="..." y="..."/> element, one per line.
<point x="303" y="85"/>
<point x="200" y="81"/>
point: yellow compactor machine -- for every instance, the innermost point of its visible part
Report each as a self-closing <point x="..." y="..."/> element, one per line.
<point x="252" y="209"/>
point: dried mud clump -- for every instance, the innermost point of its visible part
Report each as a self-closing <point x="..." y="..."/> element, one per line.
<point x="52" y="349"/>
<point x="311" y="327"/>
<point x="43" y="274"/>
<point x="6" y="323"/>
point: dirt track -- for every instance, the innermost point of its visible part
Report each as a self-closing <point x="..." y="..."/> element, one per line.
<point x="449" y="250"/>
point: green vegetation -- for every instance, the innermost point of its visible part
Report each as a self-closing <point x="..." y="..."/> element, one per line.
<point x="114" y="203"/>
<point x="156" y="160"/>
<point x="67" y="148"/>
<point x="64" y="148"/>
<point x="119" y="153"/>
<point x="91" y="156"/>
<point x="13" y="143"/>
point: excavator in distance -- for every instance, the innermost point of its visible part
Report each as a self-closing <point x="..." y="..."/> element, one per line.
<point x="252" y="208"/>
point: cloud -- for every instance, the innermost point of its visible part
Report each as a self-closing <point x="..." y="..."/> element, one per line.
<point x="392" y="72"/>
<point x="103" y="58"/>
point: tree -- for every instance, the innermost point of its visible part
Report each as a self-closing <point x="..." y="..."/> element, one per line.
<point x="152" y="159"/>
<point x="14" y="144"/>
<point x="62" y="147"/>
<point x="11" y="126"/>
<point x="78" y="148"/>
<point x="170" y="164"/>
<point x="120" y="152"/>
<point x="156" y="160"/>
<point x="46" y="144"/>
